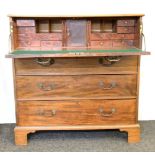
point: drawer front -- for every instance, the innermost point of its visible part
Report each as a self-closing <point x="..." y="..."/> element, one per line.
<point x="51" y="45"/>
<point x="87" y="112"/>
<point x="123" y="43"/>
<point x="25" y="22"/>
<point x="75" y="66"/>
<point x="73" y="87"/>
<point x="101" y="44"/>
<point x="125" y="30"/>
<point x="110" y="36"/>
<point x="39" y="45"/>
<point x="130" y="22"/>
<point x="39" y="36"/>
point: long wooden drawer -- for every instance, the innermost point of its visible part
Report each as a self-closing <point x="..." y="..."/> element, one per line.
<point x="86" y="112"/>
<point x="75" y="87"/>
<point x="76" y="66"/>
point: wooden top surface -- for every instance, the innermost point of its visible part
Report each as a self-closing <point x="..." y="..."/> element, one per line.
<point x="78" y="15"/>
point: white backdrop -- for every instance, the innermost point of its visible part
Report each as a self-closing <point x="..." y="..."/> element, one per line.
<point x="147" y="81"/>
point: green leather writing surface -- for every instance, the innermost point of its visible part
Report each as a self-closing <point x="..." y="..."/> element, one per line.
<point x="72" y="51"/>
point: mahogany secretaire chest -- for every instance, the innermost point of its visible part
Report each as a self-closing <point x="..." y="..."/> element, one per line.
<point x="76" y="73"/>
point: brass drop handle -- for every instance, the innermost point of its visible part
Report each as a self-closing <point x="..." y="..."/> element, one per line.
<point x="46" y="87"/>
<point x="109" y="60"/>
<point x="107" y="114"/>
<point x="108" y="87"/>
<point x="44" y="61"/>
<point x="113" y="59"/>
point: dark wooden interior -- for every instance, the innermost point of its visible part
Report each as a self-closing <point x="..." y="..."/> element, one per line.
<point x="81" y="33"/>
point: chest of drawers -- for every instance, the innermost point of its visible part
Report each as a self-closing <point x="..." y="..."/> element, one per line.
<point x="78" y="89"/>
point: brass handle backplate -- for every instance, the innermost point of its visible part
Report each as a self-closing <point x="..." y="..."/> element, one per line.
<point x="105" y="113"/>
<point x="49" y="113"/>
<point x="53" y="112"/>
<point x="107" y="87"/>
<point x="46" y="87"/>
<point x="44" y="61"/>
<point x="109" y="60"/>
<point x="113" y="59"/>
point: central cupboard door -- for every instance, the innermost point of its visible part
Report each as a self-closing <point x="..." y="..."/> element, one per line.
<point x="76" y="33"/>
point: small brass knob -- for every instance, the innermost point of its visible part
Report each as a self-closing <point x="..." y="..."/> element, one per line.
<point x="101" y="43"/>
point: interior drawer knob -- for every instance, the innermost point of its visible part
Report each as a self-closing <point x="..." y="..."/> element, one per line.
<point x="101" y="43"/>
<point x="107" y="113"/>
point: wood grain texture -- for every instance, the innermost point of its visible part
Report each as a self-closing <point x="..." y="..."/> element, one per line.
<point x="133" y="134"/>
<point x="124" y="22"/>
<point x="21" y="136"/>
<point x="101" y="44"/>
<point x="139" y="45"/>
<point x="76" y="66"/>
<point x="111" y="36"/>
<point x="39" y="36"/>
<point x="25" y="22"/>
<point x="125" y="29"/>
<point x="75" y="15"/>
<point x="123" y="43"/>
<point x="74" y="87"/>
<point x="13" y="35"/>
<point x="88" y="112"/>
<point x="77" y="127"/>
